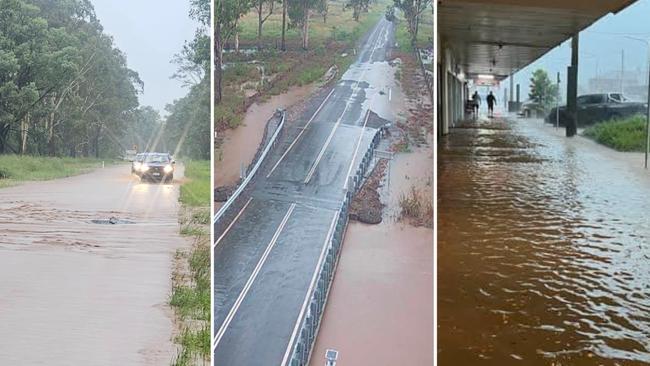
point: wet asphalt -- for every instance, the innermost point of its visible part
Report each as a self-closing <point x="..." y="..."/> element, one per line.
<point x="265" y="259"/>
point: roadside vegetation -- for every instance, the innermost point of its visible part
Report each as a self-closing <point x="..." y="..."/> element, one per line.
<point x="627" y="134"/>
<point x="424" y="36"/>
<point x="66" y="89"/>
<point x="417" y="207"/>
<point x="15" y="169"/>
<point x="256" y="61"/>
<point x="190" y="296"/>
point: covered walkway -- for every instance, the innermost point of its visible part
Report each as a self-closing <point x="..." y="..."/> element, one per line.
<point x="496" y="38"/>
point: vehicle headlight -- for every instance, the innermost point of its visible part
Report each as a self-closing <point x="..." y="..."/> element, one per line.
<point x="144" y="167"/>
<point x="168" y="168"/>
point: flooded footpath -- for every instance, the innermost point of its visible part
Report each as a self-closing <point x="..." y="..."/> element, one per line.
<point x="543" y="249"/>
<point x="78" y="290"/>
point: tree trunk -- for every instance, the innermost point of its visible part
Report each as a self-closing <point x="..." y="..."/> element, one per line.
<point x="4" y="133"/>
<point x="259" y="24"/>
<point x="51" y="148"/>
<point x="305" y="25"/>
<point x="236" y="39"/>
<point x="24" y="128"/>
<point x="96" y="140"/>
<point x="284" y="23"/>
<point x="218" y="53"/>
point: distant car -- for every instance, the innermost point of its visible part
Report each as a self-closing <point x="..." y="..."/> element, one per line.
<point x="156" y="167"/>
<point x="136" y="163"/>
<point x="594" y="108"/>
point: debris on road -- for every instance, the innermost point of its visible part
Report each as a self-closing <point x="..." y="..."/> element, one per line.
<point x="221" y="194"/>
<point x="366" y="206"/>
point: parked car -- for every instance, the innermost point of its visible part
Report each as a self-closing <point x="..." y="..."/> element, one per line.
<point x="156" y="166"/>
<point x="594" y="108"/>
<point x="530" y="109"/>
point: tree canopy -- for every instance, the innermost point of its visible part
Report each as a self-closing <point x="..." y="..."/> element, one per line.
<point x="64" y="87"/>
<point x="542" y="90"/>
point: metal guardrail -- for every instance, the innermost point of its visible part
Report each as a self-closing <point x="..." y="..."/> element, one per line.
<point x="310" y="321"/>
<point x="252" y="171"/>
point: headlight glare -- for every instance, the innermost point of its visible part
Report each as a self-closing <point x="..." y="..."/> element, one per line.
<point x="168" y="168"/>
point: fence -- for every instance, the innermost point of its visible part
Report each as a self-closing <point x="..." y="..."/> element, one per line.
<point x="309" y="318"/>
<point x="257" y="162"/>
<point x="428" y="74"/>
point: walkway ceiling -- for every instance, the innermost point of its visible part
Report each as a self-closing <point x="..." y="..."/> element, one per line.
<point x="499" y="37"/>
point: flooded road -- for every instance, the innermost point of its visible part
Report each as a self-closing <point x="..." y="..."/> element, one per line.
<point x="543" y="249"/>
<point x="74" y="292"/>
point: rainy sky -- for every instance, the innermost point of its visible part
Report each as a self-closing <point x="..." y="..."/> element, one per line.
<point x="150" y="32"/>
<point x="600" y="49"/>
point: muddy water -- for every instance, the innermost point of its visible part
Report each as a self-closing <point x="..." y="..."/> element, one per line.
<point x="74" y="292"/>
<point x="543" y="249"/>
<point x="241" y="144"/>
<point x="380" y="309"/>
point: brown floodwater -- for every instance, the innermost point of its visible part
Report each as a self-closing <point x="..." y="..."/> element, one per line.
<point x="240" y="144"/>
<point x="543" y="249"/>
<point x="380" y="306"/>
<point x="73" y="292"/>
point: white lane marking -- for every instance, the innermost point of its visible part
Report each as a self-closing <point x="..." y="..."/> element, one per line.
<point x="251" y="279"/>
<point x="312" y="284"/>
<point x="356" y="150"/>
<point x="301" y="132"/>
<point x="389" y="94"/>
<point x="355" y="90"/>
<point x="323" y="103"/>
<point x="232" y="223"/>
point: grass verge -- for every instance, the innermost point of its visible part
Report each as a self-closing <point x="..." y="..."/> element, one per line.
<point x="15" y="169"/>
<point x="196" y="191"/>
<point x="190" y="297"/>
<point x="627" y="134"/>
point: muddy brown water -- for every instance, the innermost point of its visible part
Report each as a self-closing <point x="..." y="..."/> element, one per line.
<point x="241" y="144"/>
<point x="73" y="292"/>
<point x="543" y="249"/>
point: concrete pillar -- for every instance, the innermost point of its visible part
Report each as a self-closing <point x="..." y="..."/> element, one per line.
<point x="518" y="100"/>
<point x="571" y="121"/>
<point x="505" y="98"/>
<point x="512" y="83"/>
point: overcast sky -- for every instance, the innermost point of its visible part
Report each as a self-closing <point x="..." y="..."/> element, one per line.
<point x="150" y="32"/>
<point x="600" y="49"/>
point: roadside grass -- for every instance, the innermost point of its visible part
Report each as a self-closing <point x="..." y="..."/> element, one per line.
<point x="627" y="134"/>
<point x="196" y="191"/>
<point x="15" y="169"/>
<point x="190" y="296"/>
<point x="330" y="44"/>
<point x="416" y="207"/>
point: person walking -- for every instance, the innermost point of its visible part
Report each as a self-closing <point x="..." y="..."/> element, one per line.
<point x="491" y="101"/>
<point x="476" y="101"/>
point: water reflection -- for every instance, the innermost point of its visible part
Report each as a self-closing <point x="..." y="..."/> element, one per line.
<point x="543" y="252"/>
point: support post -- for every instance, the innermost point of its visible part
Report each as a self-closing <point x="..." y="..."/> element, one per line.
<point x="572" y="90"/>
<point x="518" y="100"/>
<point x="511" y="106"/>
